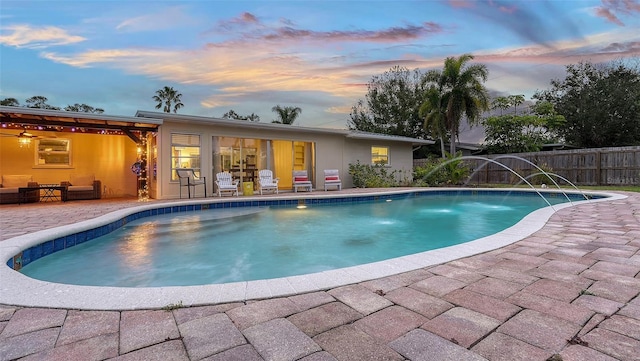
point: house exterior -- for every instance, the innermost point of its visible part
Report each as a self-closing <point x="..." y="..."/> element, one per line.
<point x="111" y="148"/>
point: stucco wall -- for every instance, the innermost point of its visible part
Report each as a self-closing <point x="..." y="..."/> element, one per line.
<point x="400" y="157"/>
<point x="333" y="151"/>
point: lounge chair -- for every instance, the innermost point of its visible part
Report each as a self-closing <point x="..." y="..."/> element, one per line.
<point x="332" y="179"/>
<point x="301" y="180"/>
<point x="266" y="181"/>
<point x="226" y="183"/>
<point x="187" y="177"/>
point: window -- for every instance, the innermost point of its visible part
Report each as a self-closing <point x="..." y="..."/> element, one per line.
<point x="380" y="155"/>
<point x="185" y="153"/>
<point x="53" y="153"/>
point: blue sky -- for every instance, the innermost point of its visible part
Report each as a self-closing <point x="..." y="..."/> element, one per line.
<point x="317" y="55"/>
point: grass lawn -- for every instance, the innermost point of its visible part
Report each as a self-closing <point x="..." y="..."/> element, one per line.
<point x="613" y="188"/>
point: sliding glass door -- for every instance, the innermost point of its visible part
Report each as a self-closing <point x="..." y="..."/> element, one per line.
<point x="244" y="157"/>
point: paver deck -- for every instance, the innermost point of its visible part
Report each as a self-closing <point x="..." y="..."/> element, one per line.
<point x="568" y="291"/>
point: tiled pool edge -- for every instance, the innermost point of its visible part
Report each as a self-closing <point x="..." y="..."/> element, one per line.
<point x="17" y="289"/>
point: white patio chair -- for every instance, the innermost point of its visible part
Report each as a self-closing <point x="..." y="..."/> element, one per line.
<point x="187" y="178"/>
<point x="301" y="180"/>
<point x="226" y="183"/>
<point x="266" y="181"/>
<point x="332" y="179"/>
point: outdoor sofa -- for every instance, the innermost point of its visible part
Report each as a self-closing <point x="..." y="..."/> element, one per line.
<point x="9" y="192"/>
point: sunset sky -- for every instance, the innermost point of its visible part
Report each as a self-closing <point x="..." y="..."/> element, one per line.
<point x="317" y="55"/>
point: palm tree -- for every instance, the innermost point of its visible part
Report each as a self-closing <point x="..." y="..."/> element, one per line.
<point x="168" y="97"/>
<point x="516" y="100"/>
<point x="287" y="115"/>
<point x="462" y="92"/>
<point x="434" y="115"/>
<point x="502" y="103"/>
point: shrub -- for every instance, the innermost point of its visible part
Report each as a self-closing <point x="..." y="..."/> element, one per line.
<point x="451" y="170"/>
<point x="539" y="179"/>
<point x="372" y="176"/>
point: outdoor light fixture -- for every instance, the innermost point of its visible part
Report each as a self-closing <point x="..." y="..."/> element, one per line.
<point x="24" y="141"/>
<point x="24" y="138"/>
<point x="301" y="204"/>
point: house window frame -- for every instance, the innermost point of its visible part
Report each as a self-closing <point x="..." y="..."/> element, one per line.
<point x="40" y="155"/>
<point x="195" y="162"/>
<point x="376" y="157"/>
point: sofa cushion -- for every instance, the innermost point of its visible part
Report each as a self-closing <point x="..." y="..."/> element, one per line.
<point x="9" y="190"/>
<point x="18" y="180"/>
<point x="79" y="188"/>
<point x="81" y="180"/>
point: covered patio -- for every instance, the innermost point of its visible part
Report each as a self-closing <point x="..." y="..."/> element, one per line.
<point x="52" y="145"/>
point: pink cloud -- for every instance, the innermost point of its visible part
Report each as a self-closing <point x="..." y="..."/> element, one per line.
<point x="631" y="48"/>
<point x="610" y="8"/>
<point x="249" y="18"/>
<point x="243" y="20"/>
<point x="625" y="6"/>
<point x="508" y="9"/>
<point x="607" y="14"/>
<point x="461" y="4"/>
<point x="387" y="35"/>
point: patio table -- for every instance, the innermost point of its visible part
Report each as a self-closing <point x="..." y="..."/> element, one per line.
<point x="47" y="195"/>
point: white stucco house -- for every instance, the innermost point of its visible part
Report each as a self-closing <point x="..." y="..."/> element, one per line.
<point x="63" y="143"/>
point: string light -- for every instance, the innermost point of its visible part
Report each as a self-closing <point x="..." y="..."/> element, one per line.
<point x="58" y="128"/>
<point x="143" y="187"/>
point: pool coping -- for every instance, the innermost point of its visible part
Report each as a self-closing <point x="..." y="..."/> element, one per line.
<point x="20" y="290"/>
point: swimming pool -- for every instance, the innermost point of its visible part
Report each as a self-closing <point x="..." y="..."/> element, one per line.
<point x="254" y="243"/>
<point x="18" y="289"/>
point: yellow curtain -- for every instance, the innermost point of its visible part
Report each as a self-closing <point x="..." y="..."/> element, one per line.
<point x="283" y="162"/>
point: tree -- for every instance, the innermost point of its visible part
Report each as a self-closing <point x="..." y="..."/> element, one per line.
<point x="169" y="98"/>
<point x="286" y="115"/>
<point x="83" y="108"/>
<point x="253" y="117"/>
<point x="502" y="103"/>
<point x="10" y="102"/>
<point x="601" y="104"/>
<point x="40" y="102"/>
<point x="460" y="86"/>
<point x="231" y="114"/>
<point x="435" y="117"/>
<point x="392" y="104"/>
<point x="516" y="100"/>
<point x="513" y="133"/>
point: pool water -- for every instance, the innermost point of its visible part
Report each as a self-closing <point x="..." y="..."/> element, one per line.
<point x="242" y="244"/>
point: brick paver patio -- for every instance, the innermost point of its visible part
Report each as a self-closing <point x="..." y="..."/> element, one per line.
<point x="568" y="292"/>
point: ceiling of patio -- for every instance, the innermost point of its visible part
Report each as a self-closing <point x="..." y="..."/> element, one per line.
<point x="63" y="121"/>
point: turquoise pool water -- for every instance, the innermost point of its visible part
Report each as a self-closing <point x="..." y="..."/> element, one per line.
<point x="242" y="244"/>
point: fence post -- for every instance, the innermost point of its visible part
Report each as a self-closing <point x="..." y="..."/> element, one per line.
<point x="598" y="168"/>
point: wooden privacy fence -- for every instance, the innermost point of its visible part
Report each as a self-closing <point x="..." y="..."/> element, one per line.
<point x="600" y="166"/>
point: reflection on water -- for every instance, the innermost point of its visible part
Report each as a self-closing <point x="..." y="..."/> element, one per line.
<point x="217" y="246"/>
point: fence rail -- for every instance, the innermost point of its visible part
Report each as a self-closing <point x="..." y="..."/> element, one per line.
<point x="600" y="166"/>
